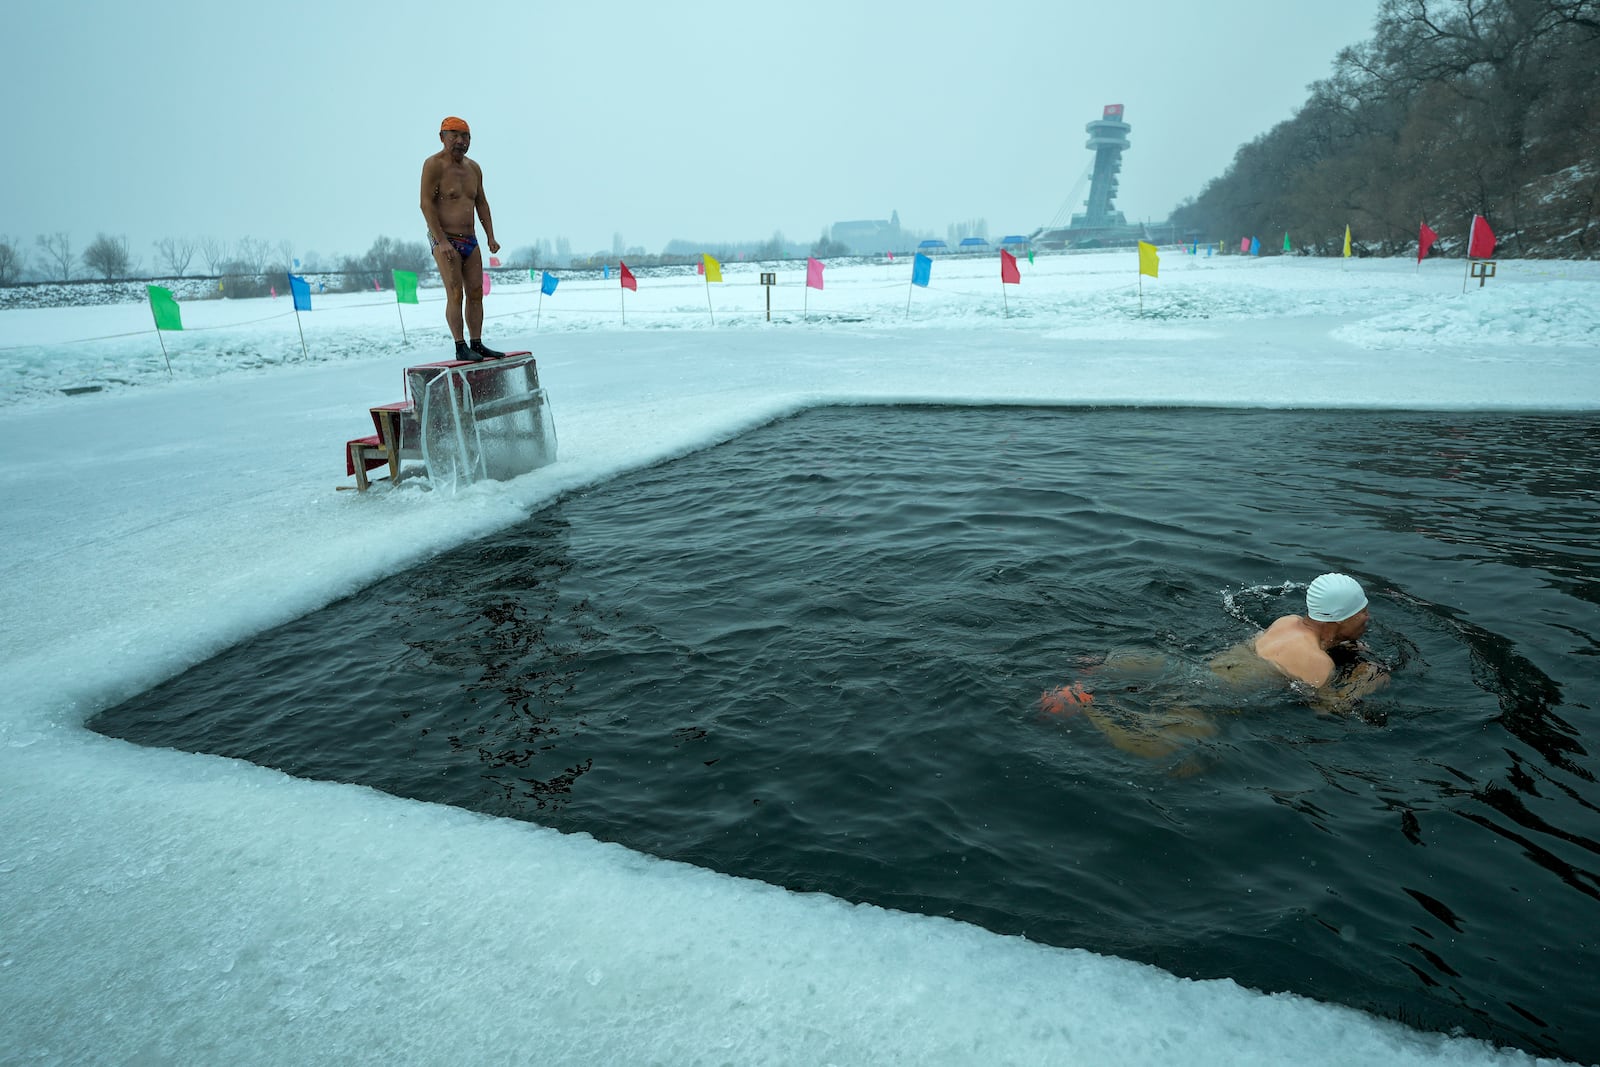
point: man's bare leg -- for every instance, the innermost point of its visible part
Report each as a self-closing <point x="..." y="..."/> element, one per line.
<point x="450" y="273"/>
<point x="1155" y="734"/>
<point x="472" y="286"/>
<point x="472" y="283"/>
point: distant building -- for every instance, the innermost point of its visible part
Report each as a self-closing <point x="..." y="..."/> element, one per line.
<point x="1101" y="224"/>
<point x="1109" y="139"/>
<point x="870" y="236"/>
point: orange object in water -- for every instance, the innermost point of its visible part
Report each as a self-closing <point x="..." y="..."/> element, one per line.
<point x="1065" y="700"/>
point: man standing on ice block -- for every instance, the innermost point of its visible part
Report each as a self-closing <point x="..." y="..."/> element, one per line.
<point x="452" y="194"/>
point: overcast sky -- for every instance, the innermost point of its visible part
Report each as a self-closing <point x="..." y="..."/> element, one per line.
<point x="706" y="120"/>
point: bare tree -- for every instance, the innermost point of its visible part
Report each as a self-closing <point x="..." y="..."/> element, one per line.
<point x="107" y="257"/>
<point x="56" y="250"/>
<point x="214" y="252"/>
<point x="253" y="253"/>
<point x="10" y="261"/>
<point x="175" y="253"/>
<point x="1455" y="107"/>
<point x="286" y="254"/>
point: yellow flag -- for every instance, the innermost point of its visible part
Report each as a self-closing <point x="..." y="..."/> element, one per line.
<point x="1347" y="241"/>
<point x="1149" y="261"/>
<point x="713" y="269"/>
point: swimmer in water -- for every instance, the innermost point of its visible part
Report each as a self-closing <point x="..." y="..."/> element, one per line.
<point x="1296" y="647"/>
<point x="1294" y="650"/>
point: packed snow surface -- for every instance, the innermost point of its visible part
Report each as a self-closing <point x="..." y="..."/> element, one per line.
<point x="158" y="906"/>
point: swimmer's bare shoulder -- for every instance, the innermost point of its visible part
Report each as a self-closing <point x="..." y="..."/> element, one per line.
<point x="1244" y="665"/>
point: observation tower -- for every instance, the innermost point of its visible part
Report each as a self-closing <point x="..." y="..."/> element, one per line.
<point x="1100" y="224"/>
<point x="1108" y="137"/>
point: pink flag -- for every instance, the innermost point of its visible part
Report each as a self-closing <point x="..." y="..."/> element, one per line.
<point x="1480" y="239"/>
<point x="485" y="283"/>
<point x="700" y="267"/>
<point x="1425" y="241"/>
<point x="274" y="292"/>
<point x="891" y="257"/>
<point x="813" y="273"/>
<point x="494" y="261"/>
<point x="1244" y="245"/>
<point x="376" y="287"/>
<point x="626" y="276"/>
<point x="1009" y="275"/>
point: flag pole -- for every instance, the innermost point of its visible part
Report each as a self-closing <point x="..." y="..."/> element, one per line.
<point x="713" y="314"/>
<point x="1005" y="299"/>
<point x="303" y="353"/>
<point x="908" y="291"/>
<point x="539" y="314"/>
<point x="163" y="341"/>
<point x="404" y="339"/>
<point x="1141" y="292"/>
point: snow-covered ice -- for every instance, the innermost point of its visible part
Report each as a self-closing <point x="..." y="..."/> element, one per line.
<point x="158" y="906"/>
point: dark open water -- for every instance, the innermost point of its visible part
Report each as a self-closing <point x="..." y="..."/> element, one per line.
<point x="813" y="656"/>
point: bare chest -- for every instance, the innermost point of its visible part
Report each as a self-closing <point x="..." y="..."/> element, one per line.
<point x="457" y="181"/>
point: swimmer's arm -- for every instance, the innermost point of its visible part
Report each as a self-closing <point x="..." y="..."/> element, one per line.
<point x="1367" y="678"/>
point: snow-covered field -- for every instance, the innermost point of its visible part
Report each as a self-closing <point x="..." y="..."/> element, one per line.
<point x="166" y="907"/>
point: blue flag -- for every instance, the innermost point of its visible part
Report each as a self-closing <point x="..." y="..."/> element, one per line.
<point x="1255" y="246"/>
<point x="301" y="289"/>
<point x="607" y="274"/>
<point x="921" y="270"/>
<point x="547" y="284"/>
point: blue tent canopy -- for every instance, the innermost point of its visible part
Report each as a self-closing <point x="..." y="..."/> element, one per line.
<point x="970" y="242"/>
<point x="930" y="243"/>
<point x="1014" y="239"/>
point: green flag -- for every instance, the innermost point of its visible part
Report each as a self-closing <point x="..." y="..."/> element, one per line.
<point x="405" y="287"/>
<point x="1030" y="255"/>
<point x="164" y="308"/>
<point x="1286" y="241"/>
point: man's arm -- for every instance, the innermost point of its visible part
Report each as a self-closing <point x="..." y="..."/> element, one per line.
<point x="1364" y="680"/>
<point x="483" y="213"/>
<point x="430" y="200"/>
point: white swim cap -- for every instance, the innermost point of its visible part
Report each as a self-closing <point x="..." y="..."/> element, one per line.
<point x="1334" y="598"/>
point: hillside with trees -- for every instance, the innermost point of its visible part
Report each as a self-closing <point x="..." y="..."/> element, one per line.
<point x="1454" y="107"/>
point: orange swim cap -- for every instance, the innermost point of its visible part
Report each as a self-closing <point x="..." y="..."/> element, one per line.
<point x="453" y="123"/>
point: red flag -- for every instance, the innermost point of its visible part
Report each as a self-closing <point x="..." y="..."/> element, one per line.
<point x="628" y="280"/>
<point x="700" y="267"/>
<point x="1425" y="241"/>
<point x="1009" y="275"/>
<point x="1480" y="240"/>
